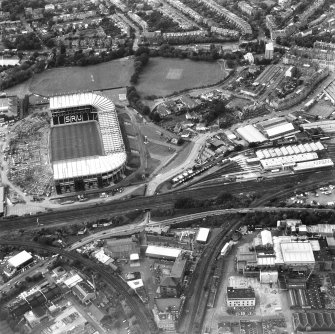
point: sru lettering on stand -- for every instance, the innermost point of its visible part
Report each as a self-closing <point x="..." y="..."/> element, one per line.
<point x="73" y="118"/>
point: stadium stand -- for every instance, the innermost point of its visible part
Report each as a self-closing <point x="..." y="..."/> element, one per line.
<point x="90" y="168"/>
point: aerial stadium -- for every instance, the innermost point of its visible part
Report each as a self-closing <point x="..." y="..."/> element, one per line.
<point x="86" y="145"/>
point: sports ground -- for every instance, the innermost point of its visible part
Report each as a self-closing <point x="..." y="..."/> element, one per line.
<point x="164" y="76"/>
<point x="111" y="74"/>
<point x="76" y="140"/>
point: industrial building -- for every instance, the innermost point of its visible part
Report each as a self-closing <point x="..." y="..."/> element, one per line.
<point x="289" y="150"/>
<point x="275" y="128"/>
<point x="17" y="262"/>
<point x="202" y="235"/>
<point x="161" y="252"/>
<point x="241" y="297"/>
<point x="288" y="161"/>
<point x="321" y="321"/>
<point x="250" y="134"/>
<point x="268" y="276"/>
<point x="311" y="165"/>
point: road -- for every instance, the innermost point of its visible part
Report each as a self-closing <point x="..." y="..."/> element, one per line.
<point x="272" y="188"/>
<point x="142" y="314"/>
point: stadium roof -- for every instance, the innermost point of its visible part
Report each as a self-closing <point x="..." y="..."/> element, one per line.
<point x="163" y="251"/>
<point x="202" y="234"/>
<point x="250" y="134"/>
<point x="68" y="169"/>
<point x="297" y="253"/>
<point x="19" y="259"/>
<point x="111" y="136"/>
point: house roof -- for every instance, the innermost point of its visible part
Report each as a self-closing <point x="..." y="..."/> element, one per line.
<point x="240" y="293"/>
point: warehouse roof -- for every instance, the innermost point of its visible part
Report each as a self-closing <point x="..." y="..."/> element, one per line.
<point x="202" y="234"/>
<point x="297" y="252"/>
<point x="251" y="134"/>
<point x="280" y="129"/>
<point x="266" y="237"/>
<point x="289" y="159"/>
<point x="314" y="164"/>
<point x="19" y="259"/>
<point x="163" y="251"/>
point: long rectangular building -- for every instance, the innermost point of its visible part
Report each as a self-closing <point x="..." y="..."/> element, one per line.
<point x="316" y="164"/>
<point x="250" y="134"/>
<point x="280" y="162"/>
<point x="162" y="252"/>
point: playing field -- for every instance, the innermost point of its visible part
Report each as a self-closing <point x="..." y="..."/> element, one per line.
<point x="111" y="74"/>
<point x="164" y="76"/>
<point x="76" y="140"/>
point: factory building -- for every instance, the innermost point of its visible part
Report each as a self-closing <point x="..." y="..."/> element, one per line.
<point x="161" y="252"/>
<point x="202" y="235"/>
<point x="313" y="165"/>
<point x="17" y="262"/>
<point x="289" y="161"/>
<point x="240" y="297"/>
<point x="250" y="134"/>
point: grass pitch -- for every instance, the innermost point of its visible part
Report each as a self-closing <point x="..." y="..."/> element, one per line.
<point x="76" y="140"/>
<point x="111" y="74"/>
<point x="163" y="76"/>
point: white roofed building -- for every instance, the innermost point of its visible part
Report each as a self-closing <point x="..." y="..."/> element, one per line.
<point x="266" y="238"/>
<point x="316" y="164"/>
<point x="20" y="259"/>
<point x="297" y="254"/>
<point x="287" y="161"/>
<point x="250" y="134"/>
<point x="162" y="252"/>
<point x="202" y="235"/>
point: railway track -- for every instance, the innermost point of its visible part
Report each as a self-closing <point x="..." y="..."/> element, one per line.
<point x="143" y="315"/>
<point x="270" y="188"/>
<point x="197" y="296"/>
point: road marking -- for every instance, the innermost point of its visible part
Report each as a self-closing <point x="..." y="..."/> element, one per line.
<point x="92" y="78"/>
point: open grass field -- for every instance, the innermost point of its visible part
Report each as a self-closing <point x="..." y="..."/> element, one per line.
<point x="112" y="74"/>
<point x="164" y="76"/>
<point x="160" y="150"/>
<point x="75" y="140"/>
